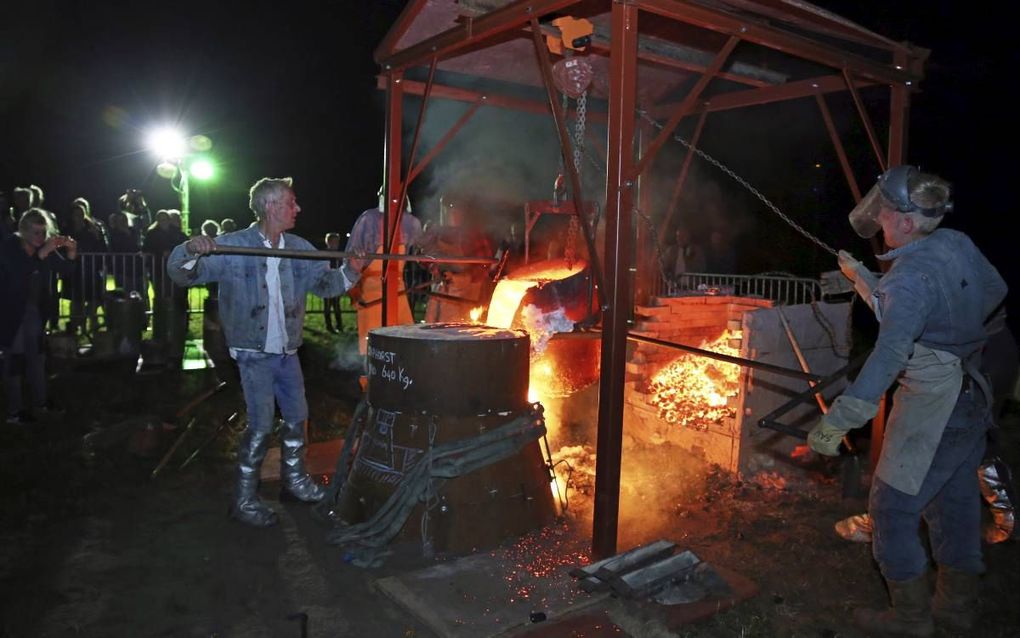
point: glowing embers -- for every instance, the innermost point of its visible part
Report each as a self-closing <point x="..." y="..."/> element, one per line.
<point x="694" y="391"/>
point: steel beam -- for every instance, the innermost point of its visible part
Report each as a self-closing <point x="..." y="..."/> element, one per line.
<point x="686" y="106"/>
<point x="767" y="95"/>
<point x="862" y="111"/>
<point x="762" y="33"/>
<point x="393" y="178"/>
<point x="393" y="239"/>
<point x="840" y="151"/>
<point x="619" y="202"/>
<point x="413" y="87"/>
<point x="472" y="31"/>
<point x="399" y="28"/>
<point x="684" y="170"/>
<point x="443" y="141"/>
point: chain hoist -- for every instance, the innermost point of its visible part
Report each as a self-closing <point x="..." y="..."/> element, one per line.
<point x="574" y="227"/>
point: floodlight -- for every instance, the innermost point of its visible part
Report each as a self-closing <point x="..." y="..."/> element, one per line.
<point x="167" y="143"/>
<point x="202" y="169"/>
<point x="166" y="170"/>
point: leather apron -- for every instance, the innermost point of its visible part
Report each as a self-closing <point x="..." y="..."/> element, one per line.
<point x="372" y="290"/>
<point x="928" y="391"/>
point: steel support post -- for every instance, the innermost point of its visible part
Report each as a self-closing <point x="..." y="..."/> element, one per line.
<point x="838" y="144"/>
<point x="392" y="164"/>
<point x="684" y="170"/>
<point x="393" y="239"/>
<point x="619" y="197"/>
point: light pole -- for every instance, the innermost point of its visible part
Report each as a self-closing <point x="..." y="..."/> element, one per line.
<point x="180" y="159"/>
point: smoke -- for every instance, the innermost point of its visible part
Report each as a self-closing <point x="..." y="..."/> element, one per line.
<point x="499" y="160"/>
<point x="543" y="325"/>
<point x="346" y="356"/>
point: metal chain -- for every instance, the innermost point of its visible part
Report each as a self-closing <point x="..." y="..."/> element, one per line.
<point x="659" y="257"/>
<point x="740" y="180"/>
<point x="574" y="227"/>
<point x="579" y="124"/>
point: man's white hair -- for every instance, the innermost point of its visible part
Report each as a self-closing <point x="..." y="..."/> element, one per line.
<point x="267" y="189"/>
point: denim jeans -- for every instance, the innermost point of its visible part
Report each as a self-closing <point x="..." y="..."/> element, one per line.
<point x="26" y="358"/>
<point x="949" y="502"/>
<point x="265" y="377"/>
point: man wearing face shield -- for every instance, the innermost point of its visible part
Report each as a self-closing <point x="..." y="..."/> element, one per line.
<point x="931" y="305"/>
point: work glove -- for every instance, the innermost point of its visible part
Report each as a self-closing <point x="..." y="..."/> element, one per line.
<point x="865" y="282"/>
<point x="845" y="413"/>
<point x="850" y="267"/>
<point x="825" y="437"/>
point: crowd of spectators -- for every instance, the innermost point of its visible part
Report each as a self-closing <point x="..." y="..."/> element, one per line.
<point x="130" y="246"/>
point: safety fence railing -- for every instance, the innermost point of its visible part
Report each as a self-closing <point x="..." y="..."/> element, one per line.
<point x="100" y="277"/>
<point x="781" y="288"/>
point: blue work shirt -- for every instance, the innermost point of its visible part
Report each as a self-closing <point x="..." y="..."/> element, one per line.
<point x="938" y="293"/>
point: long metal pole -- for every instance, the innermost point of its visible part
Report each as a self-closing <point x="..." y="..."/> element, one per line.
<point x="342" y="254"/>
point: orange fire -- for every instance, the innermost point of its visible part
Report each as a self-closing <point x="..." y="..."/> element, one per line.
<point x="503" y="308"/>
<point x="694" y="391"/>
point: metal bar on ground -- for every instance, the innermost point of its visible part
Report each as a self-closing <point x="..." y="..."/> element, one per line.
<point x="208" y="440"/>
<point x="191" y="405"/>
<point x="173" y="448"/>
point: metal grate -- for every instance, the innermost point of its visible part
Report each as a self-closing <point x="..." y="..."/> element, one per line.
<point x="780" y="288"/>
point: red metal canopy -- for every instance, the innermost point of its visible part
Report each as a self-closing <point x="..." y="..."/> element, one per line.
<point x="671" y="59"/>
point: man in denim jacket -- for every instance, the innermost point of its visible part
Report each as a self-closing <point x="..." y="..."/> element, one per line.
<point x="931" y="305"/>
<point x="262" y="309"/>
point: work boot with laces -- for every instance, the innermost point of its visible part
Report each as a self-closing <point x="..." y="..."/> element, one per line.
<point x="909" y="615"/>
<point x="956" y="595"/>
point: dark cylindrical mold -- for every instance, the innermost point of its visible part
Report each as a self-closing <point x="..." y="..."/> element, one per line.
<point x="448" y="369"/>
<point x="432" y="384"/>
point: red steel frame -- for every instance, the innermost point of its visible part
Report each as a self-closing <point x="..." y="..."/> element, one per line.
<point x="854" y="72"/>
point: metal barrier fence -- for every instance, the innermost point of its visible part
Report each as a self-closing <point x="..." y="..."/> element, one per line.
<point x="783" y="289"/>
<point x="98" y="276"/>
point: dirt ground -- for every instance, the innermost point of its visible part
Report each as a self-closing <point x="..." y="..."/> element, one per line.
<point x="91" y="545"/>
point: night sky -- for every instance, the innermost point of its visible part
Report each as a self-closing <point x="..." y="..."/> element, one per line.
<point x="288" y="89"/>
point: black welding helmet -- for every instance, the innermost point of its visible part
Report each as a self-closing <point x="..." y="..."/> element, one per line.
<point x="893" y="188"/>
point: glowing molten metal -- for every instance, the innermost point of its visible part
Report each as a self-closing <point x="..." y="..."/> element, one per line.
<point x="693" y="391"/>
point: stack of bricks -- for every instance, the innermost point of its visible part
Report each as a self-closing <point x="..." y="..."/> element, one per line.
<point x="690" y="320"/>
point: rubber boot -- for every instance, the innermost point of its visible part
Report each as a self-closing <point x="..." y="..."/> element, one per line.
<point x="909" y="615"/>
<point x="296" y="484"/>
<point x="248" y="507"/>
<point x="956" y="595"/>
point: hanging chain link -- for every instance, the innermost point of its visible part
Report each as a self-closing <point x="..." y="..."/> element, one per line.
<point x="660" y="257"/>
<point x="570" y="250"/>
<point x="740" y="180"/>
